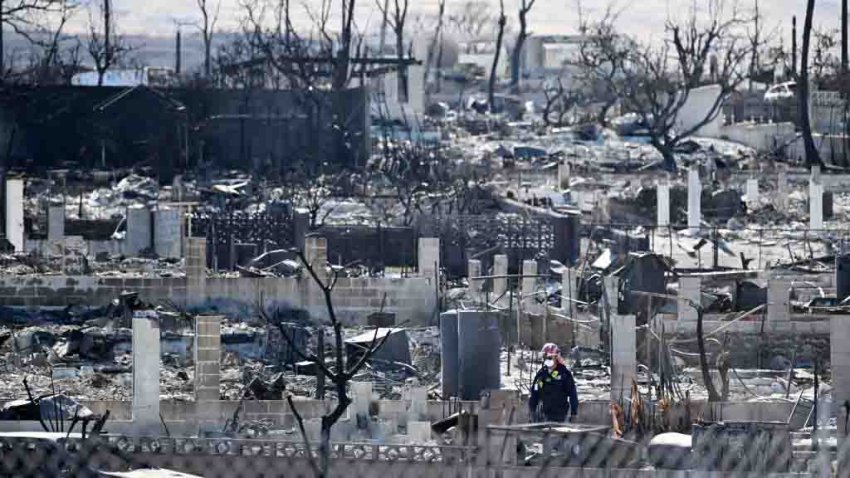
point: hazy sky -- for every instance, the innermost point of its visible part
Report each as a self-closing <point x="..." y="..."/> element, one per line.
<point x="641" y="17"/>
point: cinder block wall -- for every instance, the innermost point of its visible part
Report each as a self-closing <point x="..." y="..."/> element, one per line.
<point x="413" y="300"/>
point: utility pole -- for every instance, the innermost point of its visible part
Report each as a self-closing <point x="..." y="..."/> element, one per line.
<point x="844" y="52"/>
<point x="178" y="53"/>
<point x="794" y="46"/>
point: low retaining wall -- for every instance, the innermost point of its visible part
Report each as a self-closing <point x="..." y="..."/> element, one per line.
<point x="413" y="300"/>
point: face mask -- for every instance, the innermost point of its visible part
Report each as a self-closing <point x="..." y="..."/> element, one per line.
<point x="549" y="363"/>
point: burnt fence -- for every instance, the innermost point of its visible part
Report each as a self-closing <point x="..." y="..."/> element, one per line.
<point x="540" y="237"/>
<point x="234" y="238"/>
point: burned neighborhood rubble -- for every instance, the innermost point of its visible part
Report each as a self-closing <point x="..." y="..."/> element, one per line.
<point x="461" y="246"/>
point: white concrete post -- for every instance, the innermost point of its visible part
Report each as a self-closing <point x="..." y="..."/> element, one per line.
<point x="168" y="233"/>
<point x="146" y="356"/>
<point x="563" y="175"/>
<point x="815" y="200"/>
<point x="475" y="285"/>
<point x="752" y="194"/>
<point x="689" y="291"/>
<point x="840" y="365"/>
<point x="15" y="213"/>
<point x="663" y="204"/>
<point x="416" y="77"/>
<point x="56" y="223"/>
<point x="361" y="396"/>
<point x="778" y="300"/>
<point x="316" y="254"/>
<point x="529" y="281"/>
<point x="207" y="358"/>
<point x="418" y="403"/>
<point x="782" y="189"/>
<point x="568" y="291"/>
<point x="623" y="357"/>
<point x="500" y="270"/>
<point x="429" y="257"/>
<point x="694" y="200"/>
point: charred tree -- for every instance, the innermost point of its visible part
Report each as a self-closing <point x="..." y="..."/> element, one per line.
<point x="812" y="156"/>
<point x="500" y="36"/>
<point x="206" y="26"/>
<point x="339" y="373"/>
<point x="105" y="46"/>
<point x="516" y="60"/>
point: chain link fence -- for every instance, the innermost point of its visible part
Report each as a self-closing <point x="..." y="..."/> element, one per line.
<point x="533" y="450"/>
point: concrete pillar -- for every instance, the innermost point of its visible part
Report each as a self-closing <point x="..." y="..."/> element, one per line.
<point x="146" y="356"/>
<point x="56" y="223"/>
<point x="781" y="200"/>
<point x="568" y="291"/>
<point x="417" y="398"/>
<point x="500" y="282"/>
<point x="429" y="257"/>
<point x="416" y="77"/>
<point x="196" y="270"/>
<point x="316" y="255"/>
<point x="475" y="286"/>
<point x="138" y="236"/>
<point x="15" y="213"/>
<point x="528" y="287"/>
<point x="815" y="200"/>
<point x="778" y="300"/>
<point x="301" y="227"/>
<point x="840" y="365"/>
<point x="752" y="193"/>
<point x="663" y="204"/>
<point x="689" y="290"/>
<point x="623" y="356"/>
<point x="168" y="233"/>
<point x="694" y="200"/>
<point x="563" y="175"/>
<point x="207" y="358"/>
<point x="361" y="397"/>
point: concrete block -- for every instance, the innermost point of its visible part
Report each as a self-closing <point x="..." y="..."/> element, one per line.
<point x="138" y="235"/>
<point x="56" y="223"/>
<point x="168" y="233"/>
<point x="500" y="270"/>
<point x="778" y="300"/>
<point x="473" y="271"/>
<point x="623" y="356"/>
<point x="15" y="213"/>
<point x="694" y="200"/>
<point x="361" y="396"/>
<point x="146" y="355"/>
<point x="429" y="257"/>
<point x="663" y="204"/>
<point x="528" y="287"/>
<point x="689" y="290"/>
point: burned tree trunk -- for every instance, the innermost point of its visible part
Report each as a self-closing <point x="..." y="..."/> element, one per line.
<point x="812" y="157"/>
<point x="713" y="396"/>
<point x="516" y="59"/>
<point x="491" y="88"/>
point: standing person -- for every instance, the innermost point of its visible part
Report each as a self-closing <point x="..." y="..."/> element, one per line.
<point x="553" y="391"/>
